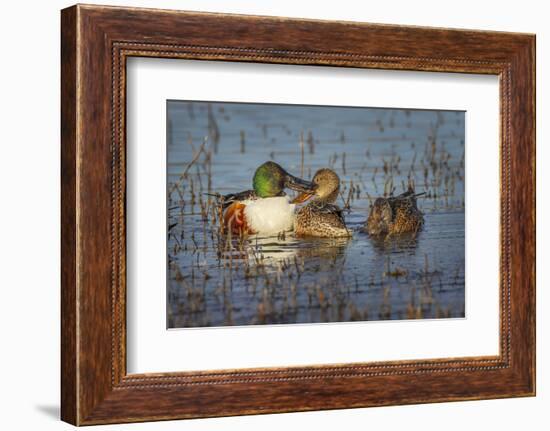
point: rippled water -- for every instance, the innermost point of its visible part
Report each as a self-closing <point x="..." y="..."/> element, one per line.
<point x="218" y="281"/>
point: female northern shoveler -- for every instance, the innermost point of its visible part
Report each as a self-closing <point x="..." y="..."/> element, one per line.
<point x="395" y="215"/>
<point x="321" y="217"/>
<point x="265" y="209"/>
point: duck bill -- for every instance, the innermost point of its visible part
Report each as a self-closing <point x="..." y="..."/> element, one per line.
<point x="302" y="197"/>
<point x="298" y="185"/>
<point x="306" y="188"/>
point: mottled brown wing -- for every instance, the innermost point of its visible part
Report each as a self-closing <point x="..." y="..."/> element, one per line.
<point x="330" y="212"/>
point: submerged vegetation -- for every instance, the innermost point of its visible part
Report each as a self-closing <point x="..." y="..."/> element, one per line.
<point x="218" y="279"/>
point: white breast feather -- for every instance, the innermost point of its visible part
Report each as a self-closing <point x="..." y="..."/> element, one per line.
<point x="270" y="215"/>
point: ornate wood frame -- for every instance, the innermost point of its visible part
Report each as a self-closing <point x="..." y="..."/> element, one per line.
<point x="95" y="42"/>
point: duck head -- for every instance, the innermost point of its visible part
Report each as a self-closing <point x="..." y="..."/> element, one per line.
<point x="326" y="186"/>
<point x="270" y="180"/>
<point x="380" y="217"/>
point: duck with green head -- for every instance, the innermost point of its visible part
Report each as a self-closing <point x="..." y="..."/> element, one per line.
<point x="266" y="209"/>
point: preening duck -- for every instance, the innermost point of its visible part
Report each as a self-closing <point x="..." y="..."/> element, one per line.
<point x="395" y="215"/>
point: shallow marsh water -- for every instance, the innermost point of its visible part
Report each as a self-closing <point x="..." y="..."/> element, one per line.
<point x="216" y="280"/>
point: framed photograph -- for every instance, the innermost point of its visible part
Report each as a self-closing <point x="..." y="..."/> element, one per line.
<point x="266" y="215"/>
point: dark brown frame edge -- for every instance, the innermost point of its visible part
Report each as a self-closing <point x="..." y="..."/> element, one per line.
<point x="95" y="43"/>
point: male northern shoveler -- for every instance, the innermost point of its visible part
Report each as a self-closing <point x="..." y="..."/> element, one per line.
<point x="266" y="209"/>
<point x="395" y="215"/>
<point x="321" y="217"/>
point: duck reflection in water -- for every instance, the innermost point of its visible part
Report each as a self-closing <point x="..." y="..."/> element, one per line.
<point x="272" y="249"/>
